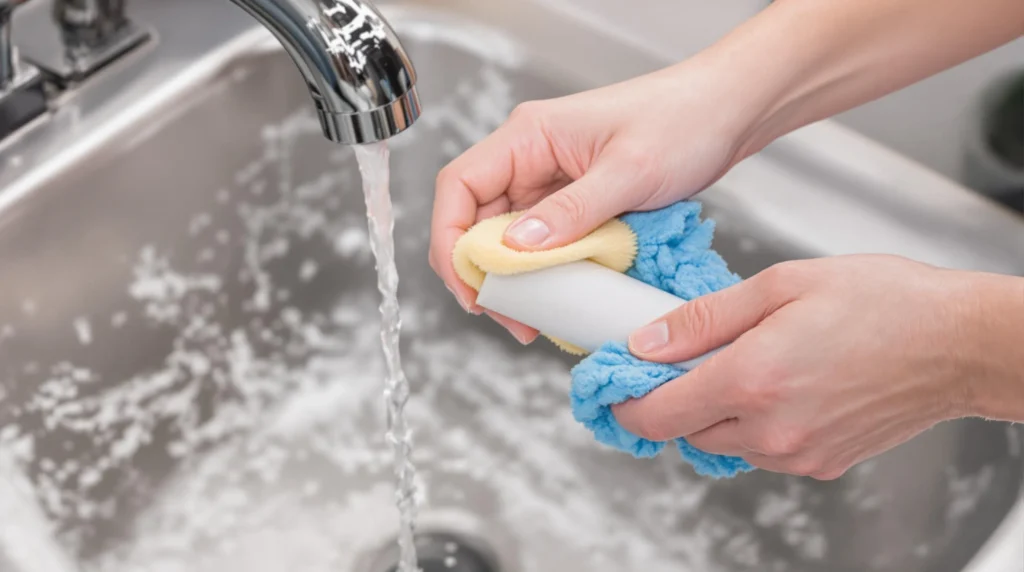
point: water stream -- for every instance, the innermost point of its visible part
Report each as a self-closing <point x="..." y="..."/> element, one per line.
<point x="373" y="164"/>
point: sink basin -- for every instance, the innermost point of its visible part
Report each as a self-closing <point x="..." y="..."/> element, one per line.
<point x="191" y="377"/>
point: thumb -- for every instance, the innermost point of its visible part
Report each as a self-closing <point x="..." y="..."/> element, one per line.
<point x="572" y="212"/>
<point x="708" y="322"/>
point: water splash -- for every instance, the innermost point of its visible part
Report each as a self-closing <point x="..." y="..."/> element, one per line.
<point x="373" y="164"/>
<point x="26" y="539"/>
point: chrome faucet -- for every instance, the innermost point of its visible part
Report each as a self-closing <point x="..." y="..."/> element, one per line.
<point x="358" y="74"/>
<point x="360" y="78"/>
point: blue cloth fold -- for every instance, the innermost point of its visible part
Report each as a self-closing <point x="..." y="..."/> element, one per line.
<point x="673" y="254"/>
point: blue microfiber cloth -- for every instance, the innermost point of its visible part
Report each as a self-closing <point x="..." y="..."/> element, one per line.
<point x="673" y="254"/>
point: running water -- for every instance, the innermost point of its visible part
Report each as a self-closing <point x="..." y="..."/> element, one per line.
<point x="373" y="164"/>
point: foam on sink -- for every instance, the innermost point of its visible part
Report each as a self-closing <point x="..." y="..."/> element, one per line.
<point x="83" y="330"/>
<point x="965" y="491"/>
<point x="27" y="541"/>
<point x="784" y="512"/>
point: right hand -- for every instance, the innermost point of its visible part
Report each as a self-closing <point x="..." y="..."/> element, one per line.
<point x="575" y="162"/>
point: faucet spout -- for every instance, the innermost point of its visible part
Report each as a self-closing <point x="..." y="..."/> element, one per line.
<point x="361" y="80"/>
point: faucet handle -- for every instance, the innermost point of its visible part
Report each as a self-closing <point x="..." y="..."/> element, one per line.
<point x="93" y="33"/>
<point x="88" y="24"/>
<point x="22" y="92"/>
<point x="7" y="5"/>
<point x="8" y="51"/>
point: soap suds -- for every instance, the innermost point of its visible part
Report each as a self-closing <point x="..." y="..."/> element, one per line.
<point x="308" y="270"/>
<point x="83" y="330"/>
<point x="965" y="491"/>
<point x="799" y="529"/>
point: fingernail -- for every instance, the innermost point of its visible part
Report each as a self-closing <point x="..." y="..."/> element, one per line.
<point x="649" y="338"/>
<point x="471" y="308"/>
<point x="465" y="305"/>
<point x="529" y="232"/>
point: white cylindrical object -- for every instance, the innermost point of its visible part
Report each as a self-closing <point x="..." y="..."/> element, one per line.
<point x="582" y="303"/>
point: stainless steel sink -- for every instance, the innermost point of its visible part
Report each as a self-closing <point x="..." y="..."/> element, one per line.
<point x="188" y="332"/>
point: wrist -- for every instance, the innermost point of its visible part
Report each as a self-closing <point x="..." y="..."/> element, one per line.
<point x="761" y="80"/>
<point x="770" y="71"/>
<point x="990" y="347"/>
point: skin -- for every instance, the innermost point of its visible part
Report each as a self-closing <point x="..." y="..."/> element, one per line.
<point x="832" y="360"/>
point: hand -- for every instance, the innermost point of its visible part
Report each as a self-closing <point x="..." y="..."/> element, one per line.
<point x="578" y="161"/>
<point x="834" y="361"/>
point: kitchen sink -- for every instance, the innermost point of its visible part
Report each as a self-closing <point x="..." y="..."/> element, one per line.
<point x="190" y="372"/>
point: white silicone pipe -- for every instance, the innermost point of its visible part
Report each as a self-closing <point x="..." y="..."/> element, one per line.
<point x="582" y="303"/>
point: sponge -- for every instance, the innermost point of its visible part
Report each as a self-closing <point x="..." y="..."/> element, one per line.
<point x="481" y="251"/>
<point x="670" y="249"/>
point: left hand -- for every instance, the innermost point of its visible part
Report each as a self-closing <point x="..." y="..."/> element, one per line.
<point x="833" y="361"/>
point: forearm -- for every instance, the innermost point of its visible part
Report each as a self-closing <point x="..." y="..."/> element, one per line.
<point x="992" y="340"/>
<point x="800" y="61"/>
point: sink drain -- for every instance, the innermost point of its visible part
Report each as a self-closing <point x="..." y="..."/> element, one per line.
<point x="442" y="552"/>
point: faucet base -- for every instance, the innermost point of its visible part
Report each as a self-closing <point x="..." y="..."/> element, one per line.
<point x="370" y="126"/>
<point x="77" y="62"/>
<point x="60" y="55"/>
<point x="22" y="101"/>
